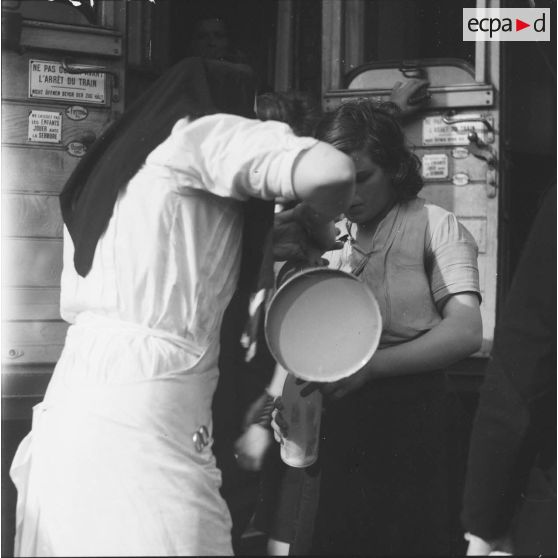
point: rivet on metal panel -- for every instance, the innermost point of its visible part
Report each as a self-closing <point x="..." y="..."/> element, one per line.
<point x="15" y="353"/>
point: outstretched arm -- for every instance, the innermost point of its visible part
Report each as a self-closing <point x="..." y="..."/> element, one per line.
<point x="323" y="179"/>
<point x="457" y="336"/>
<point x="252" y="446"/>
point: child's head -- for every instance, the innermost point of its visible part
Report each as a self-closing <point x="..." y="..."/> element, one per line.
<point x="360" y="127"/>
<point x="299" y="110"/>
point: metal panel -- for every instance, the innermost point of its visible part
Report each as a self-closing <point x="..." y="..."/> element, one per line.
<point x="457" y="96"/>
<point x="66" y="38"/>
<point x="31" y="262"/>
<point x="25" y="381"/>
<point x="31" y="215"/>
<point x="33" y="342"/>
<point x="441" y="72"/>
<point x="31" y="303"/>
<point x="20" y="407"/>
<point x="35" y="169"/>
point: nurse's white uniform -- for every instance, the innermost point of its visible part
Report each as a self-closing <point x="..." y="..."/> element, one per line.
<point x="110" y="466"/>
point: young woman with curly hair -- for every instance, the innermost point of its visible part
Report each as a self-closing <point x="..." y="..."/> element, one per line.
<point x="383" y="458"/>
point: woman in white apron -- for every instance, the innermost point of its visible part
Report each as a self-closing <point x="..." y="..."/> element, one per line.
<point x="119" y="458"/>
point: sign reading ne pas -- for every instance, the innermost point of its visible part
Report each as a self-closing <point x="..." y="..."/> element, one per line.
<point x="49" y="80"/>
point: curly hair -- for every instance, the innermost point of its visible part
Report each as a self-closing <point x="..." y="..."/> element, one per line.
<point x="362" y="125"/>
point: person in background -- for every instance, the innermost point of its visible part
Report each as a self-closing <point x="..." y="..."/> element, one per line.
<point x="383" y="463"/>
<point x="209" y="38"/>
<point x="119" y="461"/>
<point x="510" y="492"/>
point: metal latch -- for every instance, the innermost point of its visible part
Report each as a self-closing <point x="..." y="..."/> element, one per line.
<point x="410" y="70"/>
<point x="87" y="69"/>
<point x="478" y="148"/>
<point x="485" y="152"/>
<point x="462" y="118"/>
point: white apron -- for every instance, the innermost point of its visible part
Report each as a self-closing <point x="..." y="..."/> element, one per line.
<point x="121" y="465"/>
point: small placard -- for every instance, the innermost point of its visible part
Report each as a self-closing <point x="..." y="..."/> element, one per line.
<point x="76" y="149"/>
<point x="460" y="179"/>
<point x="435" y="165"/>
<point x="76" y="112"/>
<point x="460" y="153"/>
<point x="436" y="132"/>
<point x="49" y="80"/>
<point x="45" y="126"/>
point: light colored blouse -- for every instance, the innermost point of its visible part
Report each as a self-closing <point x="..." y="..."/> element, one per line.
<point x="418" y="257"/>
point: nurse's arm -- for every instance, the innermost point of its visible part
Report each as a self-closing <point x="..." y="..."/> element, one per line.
<point x="324" y="181"/>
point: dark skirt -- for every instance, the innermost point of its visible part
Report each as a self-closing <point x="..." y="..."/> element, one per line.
<point x="384" y="470"/>
<point x="382" y="484"/>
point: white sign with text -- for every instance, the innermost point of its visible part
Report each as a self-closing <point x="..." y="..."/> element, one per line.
<point x="49" y="80"/>
<point x="45" y="126"/>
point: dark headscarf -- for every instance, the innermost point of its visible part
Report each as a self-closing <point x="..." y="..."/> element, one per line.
<point x="193" y="87"/>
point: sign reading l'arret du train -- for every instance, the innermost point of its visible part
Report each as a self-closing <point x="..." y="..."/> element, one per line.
<point x="49" y="80"/>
